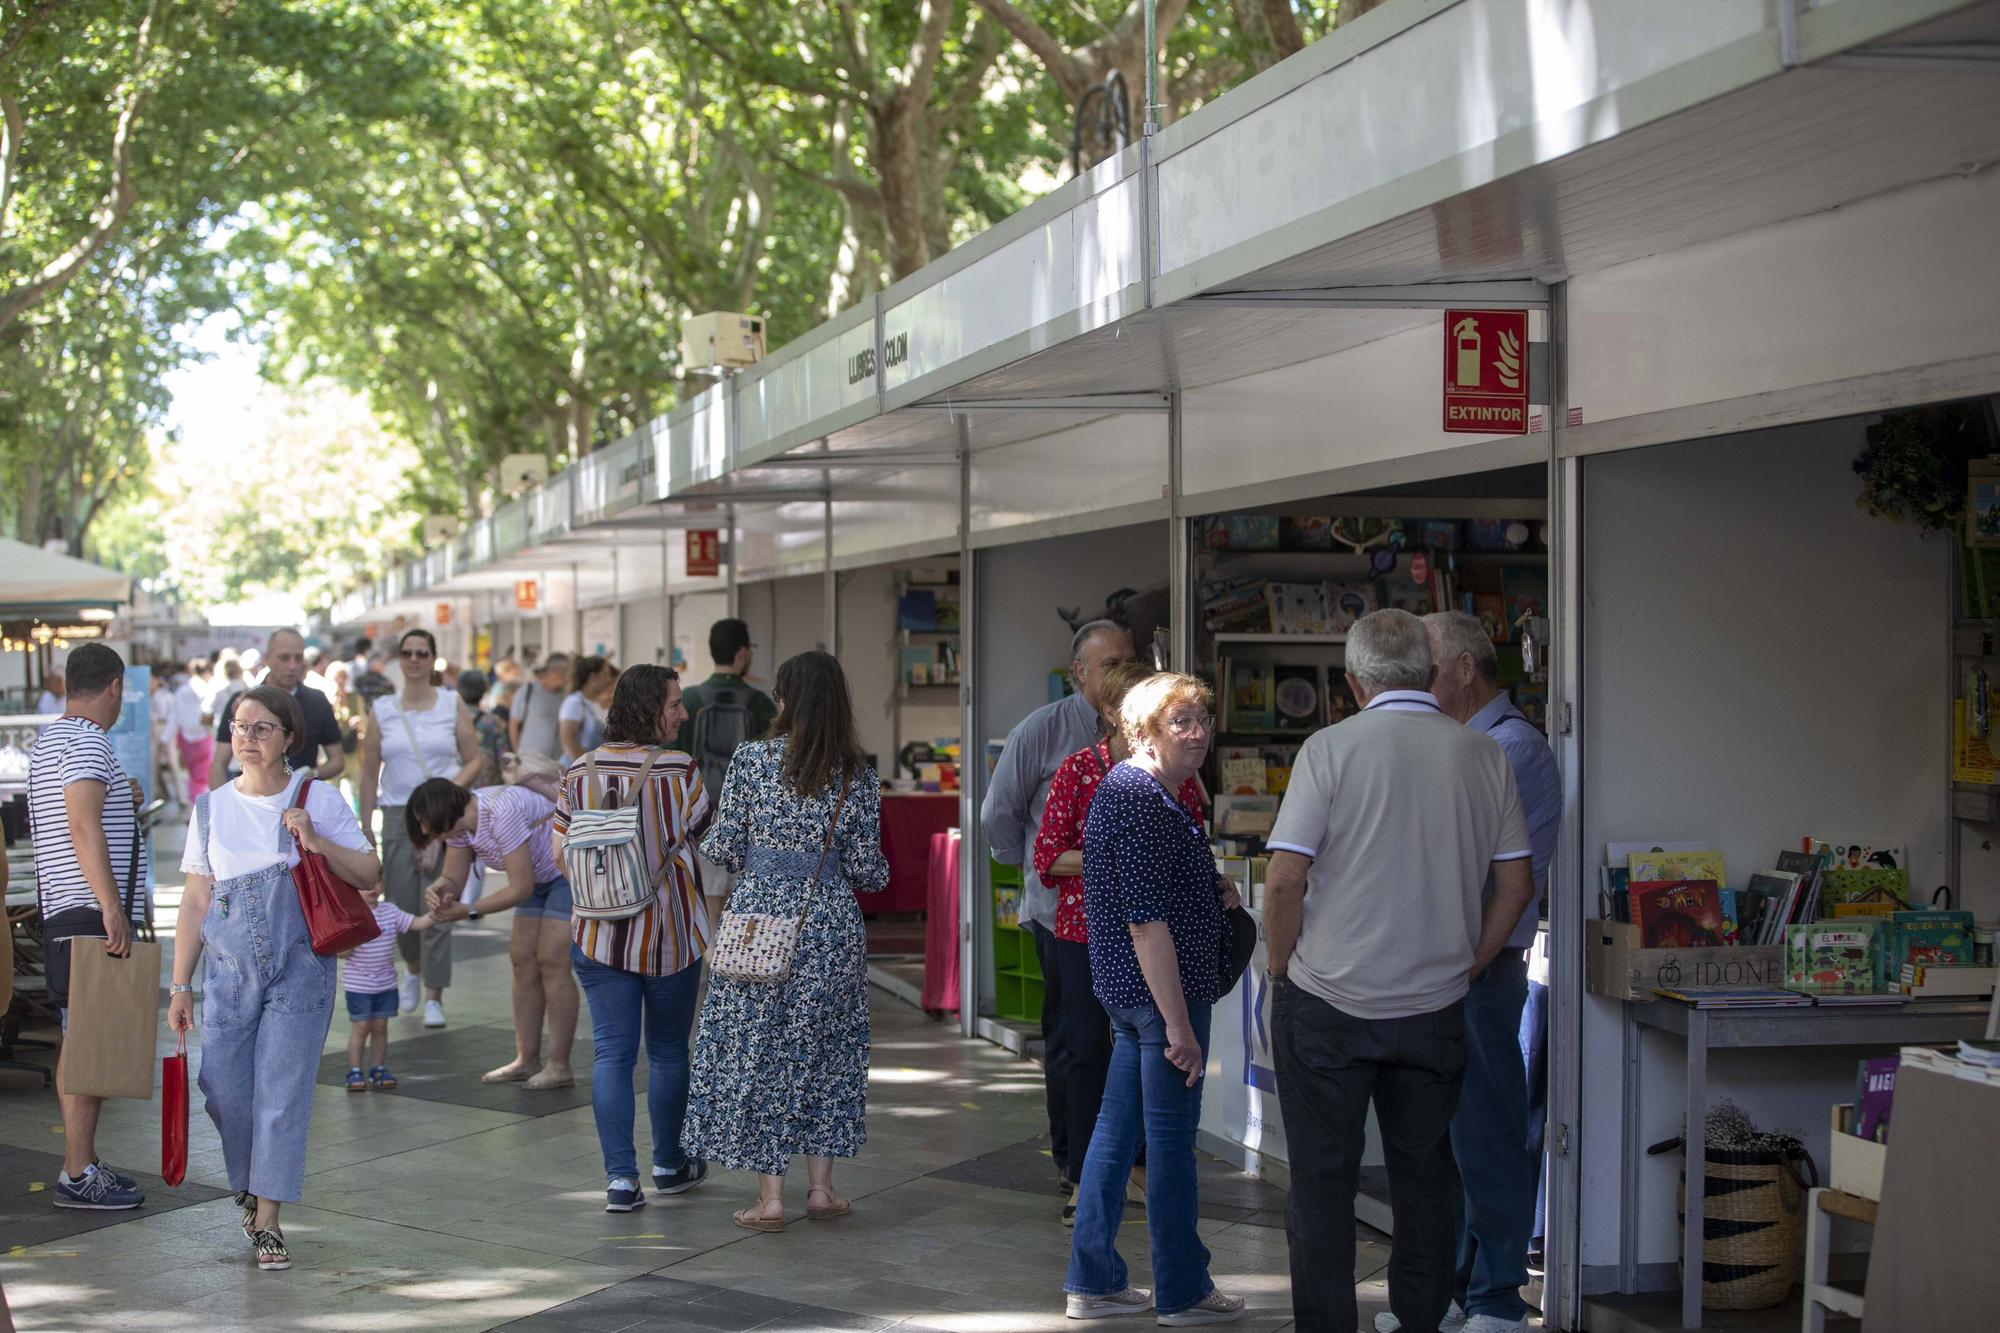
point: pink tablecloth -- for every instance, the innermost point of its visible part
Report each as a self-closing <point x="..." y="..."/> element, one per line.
<point x="908" y="821"/>
<point x="941" y="926"/>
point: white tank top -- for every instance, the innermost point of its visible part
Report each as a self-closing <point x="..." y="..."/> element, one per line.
<point x="436" y="756"/>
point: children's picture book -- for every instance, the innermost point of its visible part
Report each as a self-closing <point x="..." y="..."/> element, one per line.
<point x="1340" y="700"/>
<point x="1242" y="771"/>
<point x="1235" y="606"/>
<point x="1848" y="855"/>
<point x="1809" y="867"/>
<point x="1876" y="1096"/>
<point x="1497" y="534"/>
<point x="1295" y="696"/>
<point x="1677" y="865"/>
<point x="1240" y="532"/>
<point x="1525" y="592"/>
<point x="918" y="664"/>
<point x="1620" y="853"/>
<point x="1870" y="886"/>
<point x="1308" y="532"/>
<point x="947" y="611"/>
<point x="1613" y="883"/>
<point x="1731" y="923"/>
<point x="1677" y="913"/>
<point x="1250" y="688"/>
<point x="1245" y="816"/>
<point x="1832" y="956"/>
<point x="1929" y="938"/>
<point x="1775" y="889"/>
<point x="1491" y="608"/>
<point x="1347" y="603"/>
<point x="1733" y="997"/>
<point x="916" y="611"/>
<point x="1298" y="608"/>
<point x="1404" y="593"/>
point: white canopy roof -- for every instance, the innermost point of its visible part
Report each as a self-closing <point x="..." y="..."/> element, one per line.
<point x="32" y="579"/>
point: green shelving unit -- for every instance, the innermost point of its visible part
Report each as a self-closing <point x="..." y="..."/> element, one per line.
<point x="1017" y="969"/>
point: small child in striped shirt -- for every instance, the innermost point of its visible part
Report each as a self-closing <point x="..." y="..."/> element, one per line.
<point x="369" y="979"/>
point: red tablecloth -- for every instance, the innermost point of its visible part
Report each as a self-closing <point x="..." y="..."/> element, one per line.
<point x="941" y="926"/>
<point x="908" y="821"/>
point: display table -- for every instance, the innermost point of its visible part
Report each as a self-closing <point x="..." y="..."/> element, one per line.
<point x="1917" y="1023"/>
<point x="908" y="821"/>
<point x="941" y="976"/>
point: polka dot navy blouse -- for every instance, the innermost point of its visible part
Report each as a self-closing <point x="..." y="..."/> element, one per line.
<point x="1146" y="859"/>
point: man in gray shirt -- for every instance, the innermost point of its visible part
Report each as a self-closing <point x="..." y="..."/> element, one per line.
<point x="533" y="721"/>
<point x="1376" y="920"/>
<point x="1011" y="816"/>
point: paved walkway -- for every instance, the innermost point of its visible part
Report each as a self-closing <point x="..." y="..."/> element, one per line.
<point x="447" y="1205"/>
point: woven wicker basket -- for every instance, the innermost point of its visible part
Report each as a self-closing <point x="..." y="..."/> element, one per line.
<point x="1753" y="1224"/>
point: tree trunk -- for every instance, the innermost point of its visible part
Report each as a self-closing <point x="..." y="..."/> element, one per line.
<point x="897" y="153"/>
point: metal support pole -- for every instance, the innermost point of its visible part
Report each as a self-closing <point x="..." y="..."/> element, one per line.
<point x="971" y="752"/>
<point x="1564" y="1294"/>
<point x="576" y="608"/>
<point x="830" y="589"/>
<point x="548" y="615"/>
<point x="729" y="516"/>
<point x="1179" y="558"/>
<point x="666" y="598"/>
<point x="617" y="612"/>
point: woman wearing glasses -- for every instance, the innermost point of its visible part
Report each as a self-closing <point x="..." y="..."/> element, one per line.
<point x="1158" y="948"/>
<point x="267" y="998"/>
<point x="420" y="732"/>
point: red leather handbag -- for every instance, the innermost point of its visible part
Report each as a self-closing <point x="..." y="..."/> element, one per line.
<point x="174" y="1115"/>
<point x="336" y="917"/>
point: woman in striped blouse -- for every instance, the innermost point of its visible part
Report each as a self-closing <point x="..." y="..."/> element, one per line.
<point x="508" y="828"/>
<point x="643" y="972"/>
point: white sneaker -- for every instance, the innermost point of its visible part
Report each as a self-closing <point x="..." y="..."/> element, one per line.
<point x="1493" y="1323"/>
<point x="1454" y="1321"/>
<point x="1215" y="1308"/>
<point x="412" y="995"/>
<point x="433" y="1014"/>
<point x="1132" y="1300"/>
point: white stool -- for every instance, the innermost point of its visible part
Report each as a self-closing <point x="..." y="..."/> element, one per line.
<point x="1822" y="1206"/>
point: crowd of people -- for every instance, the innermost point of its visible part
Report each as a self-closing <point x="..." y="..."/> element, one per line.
<point x="637" y="824"/>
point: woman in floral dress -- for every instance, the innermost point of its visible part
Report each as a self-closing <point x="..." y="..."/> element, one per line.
<point x="781" y="1069"/>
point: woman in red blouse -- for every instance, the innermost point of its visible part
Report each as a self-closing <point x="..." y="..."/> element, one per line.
<point x="1058" y="854"/>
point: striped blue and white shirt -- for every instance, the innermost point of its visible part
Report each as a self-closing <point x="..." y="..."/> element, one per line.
<point x="72" y="750"/>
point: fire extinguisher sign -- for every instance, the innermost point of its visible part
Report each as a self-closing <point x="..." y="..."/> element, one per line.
<point x="1486" y="372"/>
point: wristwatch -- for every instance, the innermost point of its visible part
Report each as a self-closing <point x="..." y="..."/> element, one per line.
<point x="175" y="988"/>
<point x="472" y="914"/>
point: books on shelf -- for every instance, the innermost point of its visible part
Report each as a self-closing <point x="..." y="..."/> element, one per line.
<point x="1945" y="983"/>
<point x="1949" y="1063"/>
<point x="1928" y="938"/>
<point x="1251" y="685"/>
<point x="1858" y="999"/>
<point x="1240" y="771"/>
<point x="1298" y="696"/>
<point x="1677" y="865"/>
<point x="1874" y="1097"/>
<point x="1298" y="608"/>
<point x="1347" y="603"/>
<point x="1845" y="854"/>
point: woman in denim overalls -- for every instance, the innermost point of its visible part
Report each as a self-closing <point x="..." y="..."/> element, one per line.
<point x="269" y="996"/>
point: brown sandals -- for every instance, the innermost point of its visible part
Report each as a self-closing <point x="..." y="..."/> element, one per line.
<point x="753" y="1219"/>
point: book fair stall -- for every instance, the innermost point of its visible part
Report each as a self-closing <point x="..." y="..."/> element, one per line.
<point x="1693" y="460"/>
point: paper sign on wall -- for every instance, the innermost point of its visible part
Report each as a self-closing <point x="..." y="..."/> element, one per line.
<point x="704" y="553"/>
<point x="1486" y="372"/>
<point x="444" y="613"/>
<point x="527" y="596"/>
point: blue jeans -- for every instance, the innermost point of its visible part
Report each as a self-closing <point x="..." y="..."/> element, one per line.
<point x="620" y="1003"/>
<point x="1143" y="1089"/>
<point x="1494" y="1212"/>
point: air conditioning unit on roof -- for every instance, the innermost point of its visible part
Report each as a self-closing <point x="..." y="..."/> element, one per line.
<point x="442" y="528"/>
<point x="520" y="471"/>
<point x="721" y="339"/>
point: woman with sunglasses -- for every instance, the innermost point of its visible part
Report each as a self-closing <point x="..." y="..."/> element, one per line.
<point x="420" y="732"/>
<point x="267" y="998"/>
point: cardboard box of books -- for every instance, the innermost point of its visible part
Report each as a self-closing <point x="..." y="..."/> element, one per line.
<point x="1616" y="964"/>
<point x="1854" y="1163"/>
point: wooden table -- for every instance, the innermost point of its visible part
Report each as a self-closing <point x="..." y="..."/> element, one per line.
<point x="1917" y="1023"/>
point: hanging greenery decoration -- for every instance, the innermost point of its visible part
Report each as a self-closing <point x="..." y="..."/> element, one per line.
<point x="1913" y="469"/>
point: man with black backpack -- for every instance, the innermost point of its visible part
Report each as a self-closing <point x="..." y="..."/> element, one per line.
<point x="723" y="712"/>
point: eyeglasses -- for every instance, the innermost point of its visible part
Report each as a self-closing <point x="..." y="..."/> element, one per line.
<point x="416" y="654"/>
<point x="259" y="731"/>
<point x="1187" y="724"/>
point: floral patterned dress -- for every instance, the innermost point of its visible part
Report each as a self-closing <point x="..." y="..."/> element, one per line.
<point x="782" y="1069"/>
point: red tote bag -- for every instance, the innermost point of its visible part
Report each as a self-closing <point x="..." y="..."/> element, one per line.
<point x="174" y="1115"/>
<point x="336" y="917"/>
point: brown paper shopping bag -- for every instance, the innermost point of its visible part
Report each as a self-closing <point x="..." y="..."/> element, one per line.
<point x="114" y="1011"/>
<point x="114" y="1014"/>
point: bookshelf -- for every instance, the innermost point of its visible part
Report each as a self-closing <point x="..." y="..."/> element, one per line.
<point x="1017" y="968"/>
<point x="924" y="652"/>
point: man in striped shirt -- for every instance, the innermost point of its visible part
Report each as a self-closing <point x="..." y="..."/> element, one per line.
<point x="83" y="822"/>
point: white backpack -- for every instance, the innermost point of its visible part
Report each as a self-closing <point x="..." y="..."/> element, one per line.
<point x="604" y="852"/>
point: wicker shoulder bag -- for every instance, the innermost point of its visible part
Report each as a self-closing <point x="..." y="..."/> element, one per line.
<point x="760" y="946"/>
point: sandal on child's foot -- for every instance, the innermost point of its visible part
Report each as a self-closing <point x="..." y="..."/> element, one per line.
<point x="356" y="1080"/>
<point x="753" y="1219"/>
<point x="380" y="1078"/>
<point x="838" y="1207"/>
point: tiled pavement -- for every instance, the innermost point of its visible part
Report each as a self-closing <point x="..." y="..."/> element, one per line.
<point x="446" y="1207"/>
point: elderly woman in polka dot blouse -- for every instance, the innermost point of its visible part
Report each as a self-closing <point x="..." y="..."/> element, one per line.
<point x="1058" y="855"/>
<point x="1158" y="950"/>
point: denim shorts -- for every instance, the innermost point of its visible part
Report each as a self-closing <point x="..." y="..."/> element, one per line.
<point x="364" y="1005"/>
<point x="551" y="899"/>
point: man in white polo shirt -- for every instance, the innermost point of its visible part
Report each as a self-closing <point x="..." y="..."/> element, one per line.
<point x="1375" y="927"/>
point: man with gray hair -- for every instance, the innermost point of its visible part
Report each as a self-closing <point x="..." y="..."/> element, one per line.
<point x="1490" y="1139"/>
<point x="1375" y="927"/>
<point x="317" y="750"/>
<point x="1010" y="817"/>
